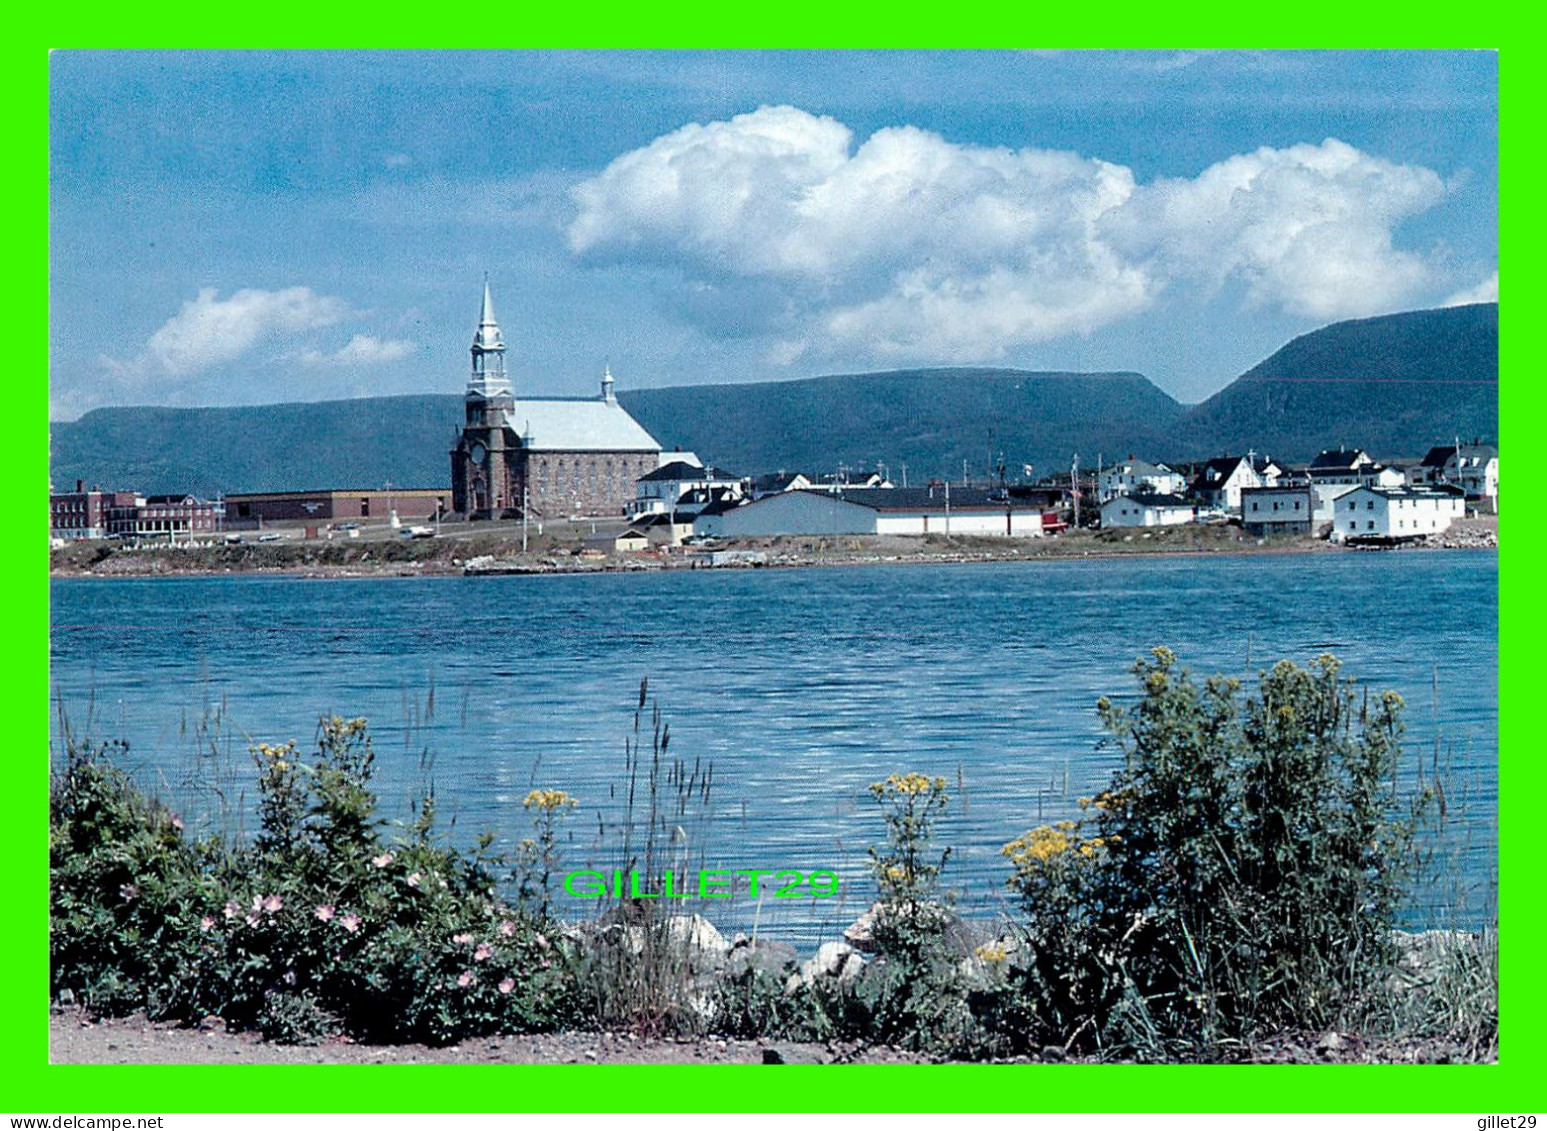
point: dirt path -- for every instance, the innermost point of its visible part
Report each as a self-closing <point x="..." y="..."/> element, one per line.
<point x="74" y="1039"/>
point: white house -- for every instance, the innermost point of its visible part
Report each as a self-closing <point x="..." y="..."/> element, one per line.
<point x="1139" y="477"/>
<point x="682" y="487"/>
<point x="1472" y="467"/>
<point x="1283" y="509"/>
<point x="1396" y="512"/>
<point x="1219" y="482"/>
<point x="1146" y="510"/>
<point x="884" y="510"/>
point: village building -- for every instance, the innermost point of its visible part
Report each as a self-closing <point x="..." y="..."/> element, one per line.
<point x="777" y="481"/>
<point x="627" y="541"/>
<point x="82" y="514"/>
<point x="1473" y="467"/>
<point x="542" y="456"/>
<point x="939" y="509"/>
<point x="684" y="488"/>
<point x="334" y="505"/>
<point x="1396" y="512"/>
<point x="1146" y="510"/>
<point x="1138" y="477"/>
<point x="1283" y="509"/>
<point x="1332" y="474"/>
<point x="1219" y="482"/>
<point x="664" y="530"/>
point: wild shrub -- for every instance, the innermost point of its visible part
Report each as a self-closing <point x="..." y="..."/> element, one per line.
<point x="911" y="994"/>
<point x="318" y="927"/>
<point x="1240" y="875"/>
<point x="127" y="890"/>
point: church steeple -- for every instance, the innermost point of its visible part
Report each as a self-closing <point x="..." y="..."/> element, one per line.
<point x="488" y="377"/>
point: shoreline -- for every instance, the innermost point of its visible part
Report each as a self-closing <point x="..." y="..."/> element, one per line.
<point x="452" y="556"/>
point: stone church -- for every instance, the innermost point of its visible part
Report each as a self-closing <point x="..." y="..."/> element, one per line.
<point x="546" y="457"/>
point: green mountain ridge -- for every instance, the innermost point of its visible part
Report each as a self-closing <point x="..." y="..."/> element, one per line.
<point x="1393" y="385"/>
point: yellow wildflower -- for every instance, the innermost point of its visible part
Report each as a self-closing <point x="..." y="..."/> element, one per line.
<point x="993" y="952"/>
<point x="549" y="799"/>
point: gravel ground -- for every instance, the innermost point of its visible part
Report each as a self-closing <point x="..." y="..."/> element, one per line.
<point x="76" y="1039"/>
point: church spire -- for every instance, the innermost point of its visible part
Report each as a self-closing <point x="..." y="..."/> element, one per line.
<point x="488" y="377"/>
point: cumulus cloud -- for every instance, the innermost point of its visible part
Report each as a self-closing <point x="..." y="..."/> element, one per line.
<point x="907" y="244"/>
<point x="210" y="331"/>
<point x="1485" y="291"/>
<point x="1306" y="229"/>
<point x="362" y="349"/>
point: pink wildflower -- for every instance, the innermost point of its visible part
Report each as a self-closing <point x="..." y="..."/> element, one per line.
<point x="206" y="923"/>
<point x="325" y="912"/>
<point x="177" y="822"/>
<point x="350" y="923"/>
<point x="462" y="940"/>
<point x="128" y="891"/>
<point x="465" y="979"/>
<point x="541" y="940"/>
<point x="383" y="860"/>
<point x="232" y="909"/>
<point x="507" y="985"/>
<point x="272" y="904"/>
<point x="507" y="928"/>
<point x="483" y="953"/>
<point x="413" y="879"/>
<point x="252" y="918"/>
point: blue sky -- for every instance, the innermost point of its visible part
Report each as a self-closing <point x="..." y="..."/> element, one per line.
<point x="240" y="228"/>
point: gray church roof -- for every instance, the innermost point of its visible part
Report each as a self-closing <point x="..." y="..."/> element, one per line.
<point x="579" y="424"/>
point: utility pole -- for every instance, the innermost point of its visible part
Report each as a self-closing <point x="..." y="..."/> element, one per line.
<point x="1074" y="487"/>
<point x="947" y="508"/>
<point x="525" y="497"/>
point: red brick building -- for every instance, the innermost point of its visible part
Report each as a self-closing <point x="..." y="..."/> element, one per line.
<point x="128" y="514"/>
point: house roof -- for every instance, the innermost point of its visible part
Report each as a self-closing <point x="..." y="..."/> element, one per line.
<point x="1426" y="492"/>
<point x="1150" y="500"/>
<point x="1439" y="457"/>
<point x="724" y="503"/>
<point x="578" y="424"/>
<point x="680" y="470"/>
<point x="1138" y="467"/>
<point x="1344" y="459"/>
<point x="923" y="498"/>
<point x="776" y="480"/>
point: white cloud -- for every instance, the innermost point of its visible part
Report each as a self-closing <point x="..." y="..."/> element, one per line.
<point x="1306" y="229"/>
<point x="362" y="349"/>
<point x="1485" y="291"/>
<point x="210" y="331"/>
<point x="909" y="245"/>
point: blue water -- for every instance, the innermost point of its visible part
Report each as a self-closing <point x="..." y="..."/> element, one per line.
<point x="801" y="687"/>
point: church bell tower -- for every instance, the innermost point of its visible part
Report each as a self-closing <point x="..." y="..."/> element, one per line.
<point x="481" y="480"/>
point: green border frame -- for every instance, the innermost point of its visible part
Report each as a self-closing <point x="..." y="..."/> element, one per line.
<point x="33" y="1086"/>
